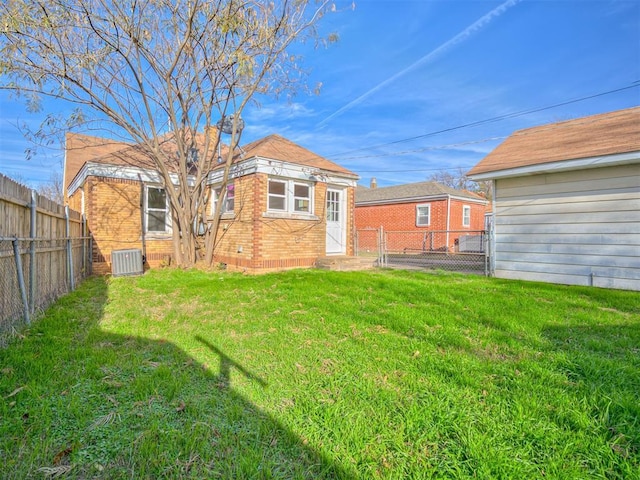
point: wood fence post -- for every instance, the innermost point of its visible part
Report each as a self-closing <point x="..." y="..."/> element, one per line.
<point x="72" y="285"/>
<point x="32" y="252"/>
<point x="90" y="254"/>
<point x="84" y="244"/>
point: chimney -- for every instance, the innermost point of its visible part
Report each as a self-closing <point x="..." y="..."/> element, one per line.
<point x="374" y="183"/>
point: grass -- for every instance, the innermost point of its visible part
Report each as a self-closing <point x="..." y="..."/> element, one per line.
<point x="312" y="374"/>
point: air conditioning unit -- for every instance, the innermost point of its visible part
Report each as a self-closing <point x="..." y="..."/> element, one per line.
<point x="126" y="262"/>
<point x="471" y="243"/>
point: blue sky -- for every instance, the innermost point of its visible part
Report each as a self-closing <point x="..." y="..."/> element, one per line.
<point x="406" y="69"/>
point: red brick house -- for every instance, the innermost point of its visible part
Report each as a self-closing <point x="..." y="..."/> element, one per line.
<point x="431" y="216"/>
<point x="284" y="206"/>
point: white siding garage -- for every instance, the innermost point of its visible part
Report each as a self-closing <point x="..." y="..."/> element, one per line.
<point x="580" y="227"/>
<point x="567" y="202"/>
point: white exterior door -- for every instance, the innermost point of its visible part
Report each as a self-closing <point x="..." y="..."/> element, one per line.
<point x="336" y="222"/>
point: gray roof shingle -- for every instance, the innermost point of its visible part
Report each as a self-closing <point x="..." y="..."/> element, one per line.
<point x="409" y="192"/>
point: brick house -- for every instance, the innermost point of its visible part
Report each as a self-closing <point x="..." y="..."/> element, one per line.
<point x="431" y="216"/>
<point x="284" y="206"/>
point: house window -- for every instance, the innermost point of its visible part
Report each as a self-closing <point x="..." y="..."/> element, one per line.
<point x="277" y="195"/>
<point x="423" y="215"/>
<point x="228" y="199"/>
<point x="289" y="196"/>
<point x="301" y="198"/>
<point x="157" y="210"/>
<point x="466" y="216"/>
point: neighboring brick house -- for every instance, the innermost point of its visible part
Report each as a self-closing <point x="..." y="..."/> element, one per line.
<point x="432" y="216"/>
<point x="284" y="206"/>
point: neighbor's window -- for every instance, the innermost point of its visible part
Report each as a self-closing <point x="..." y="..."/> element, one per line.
<point x="229" y="199"/>
<point x="289" y="196"/>
<point x="423" y="215"/>
<point x="157" y="210"/>
<point x="466" y="216"/>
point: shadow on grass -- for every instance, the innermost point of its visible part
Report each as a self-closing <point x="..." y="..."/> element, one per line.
<point x="226" y="363"/>
<point x="84" y="403"/>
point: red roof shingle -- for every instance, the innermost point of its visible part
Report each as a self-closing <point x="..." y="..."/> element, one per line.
<point x="277" y="147"/>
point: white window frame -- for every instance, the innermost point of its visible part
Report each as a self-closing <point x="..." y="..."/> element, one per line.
<point x="147" y="210"/>
<point x="418" y="216"/>
<point x="277" y="195"/>
<point x="290" y="197"/>
<point x="466" y="215"/>
<point x="228" y="205"/>
<point x="308" y="198"/>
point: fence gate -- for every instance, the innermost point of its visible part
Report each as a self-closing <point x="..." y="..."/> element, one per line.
<point x="452" y="250"/>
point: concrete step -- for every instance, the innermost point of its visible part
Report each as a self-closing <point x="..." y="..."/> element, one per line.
<point x="344" y="263"/>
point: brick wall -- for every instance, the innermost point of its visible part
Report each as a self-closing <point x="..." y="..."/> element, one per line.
<point x="268" y="242"/>
<point x="401" y="217"/>
<point x="113" y="212"/>
<point x="477" y="215"/>
<point x="247" y="241"/>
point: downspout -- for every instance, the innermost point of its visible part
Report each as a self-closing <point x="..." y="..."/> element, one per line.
<point x="492" y="233"/>
<point x="448" y="218"/>
<point x="142" y="229"/>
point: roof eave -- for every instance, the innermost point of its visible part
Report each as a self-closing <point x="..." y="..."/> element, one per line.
<point x="270" y="166"/>
<point x="95" y="169"/>
<point x="560" y="166"/>
<point x="422" y="198"/>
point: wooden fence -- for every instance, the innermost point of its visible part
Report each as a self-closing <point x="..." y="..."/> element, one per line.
<point x="45" y="251"/>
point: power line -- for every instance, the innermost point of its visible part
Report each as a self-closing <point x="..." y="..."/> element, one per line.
<point x="490" y="120"/>
<point x="424" y="149"/>
<point x="525" y="132"/>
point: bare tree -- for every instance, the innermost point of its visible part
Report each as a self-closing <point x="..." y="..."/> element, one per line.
<point x="458" y="179"/>
<point x="53" y="188"/>
<point x="158" y="73"/>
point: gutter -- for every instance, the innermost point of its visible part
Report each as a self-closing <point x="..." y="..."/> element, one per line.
<point x="142" y="218"/>
<point x="627" y="158"/>
<point x="492" y="232"/>
<point x="429" y="198"/>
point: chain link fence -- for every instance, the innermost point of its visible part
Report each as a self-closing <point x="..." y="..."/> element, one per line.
<point x="452" y="250"/>
<point x="45" y="251"/>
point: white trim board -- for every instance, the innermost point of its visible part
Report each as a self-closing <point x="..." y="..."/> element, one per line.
<point x="562" y="166"/>
<point x="117" y="171"/>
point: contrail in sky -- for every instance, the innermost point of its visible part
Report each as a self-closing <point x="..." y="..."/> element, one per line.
<point x="459" y="38"/>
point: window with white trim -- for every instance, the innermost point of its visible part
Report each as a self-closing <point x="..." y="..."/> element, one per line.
<point x="289" y="196"/>
<point x="466" y="216"/>
<point x="156" y="218"/>
<point x="228" y="199"/>
<point x="423" y="215"/>
<point x="277" y="196"/>
<point x="301" y="198"/>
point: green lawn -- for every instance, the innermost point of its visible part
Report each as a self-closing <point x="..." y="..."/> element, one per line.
<point x="314" y="374"/>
